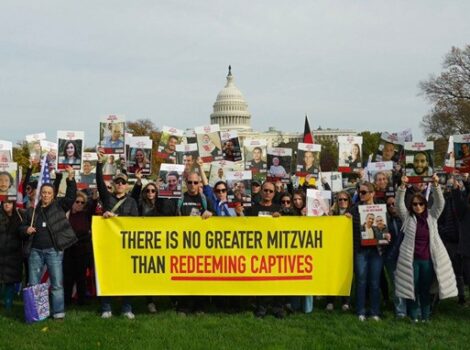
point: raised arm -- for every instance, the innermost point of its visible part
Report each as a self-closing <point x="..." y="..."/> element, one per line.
<point x="71" y="191"/>
<point x="400" y="199"/>
<point x="100" y="184"/>
<point x="438" y="198"/>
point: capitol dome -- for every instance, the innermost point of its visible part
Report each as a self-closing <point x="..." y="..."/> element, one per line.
<point x="230" y="109"/>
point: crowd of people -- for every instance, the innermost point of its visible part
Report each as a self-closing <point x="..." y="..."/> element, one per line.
<point x="426" y="258"/>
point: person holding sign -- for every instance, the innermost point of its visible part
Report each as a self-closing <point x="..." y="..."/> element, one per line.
<point x="422" y="255"/>
<point x="48" y="233"/>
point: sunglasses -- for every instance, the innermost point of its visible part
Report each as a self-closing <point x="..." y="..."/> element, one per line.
<point x="192" y="182"/>
<point x="415" y="204"/>
<point x="150" y="190"/>
<point x="342" y="199"/>
<point x="268" y="191"/>
<point x="390" y="205"/>
<point x="220" y="190"/>
<point x="362" y="193"/>
<point x="255" y="184"/>
<point x="120" y="182"/>
<point x="79" y="202"/>
<point x="285" y="202"/>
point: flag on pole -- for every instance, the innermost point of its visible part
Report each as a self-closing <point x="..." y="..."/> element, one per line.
<point x="308" y="137"/>
<point x="44" y="177"/>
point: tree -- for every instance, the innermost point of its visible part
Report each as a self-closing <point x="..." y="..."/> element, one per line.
<point x="370" y="144"/>
<point x="449" y="94"/>
<point x="329" y="155"/>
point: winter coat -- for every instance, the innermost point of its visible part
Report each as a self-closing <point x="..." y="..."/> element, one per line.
<point x="61" y="231"/>
<point x="463" y="211"/>
<point x="11" y="248"/>
<point x="404" y="279"/>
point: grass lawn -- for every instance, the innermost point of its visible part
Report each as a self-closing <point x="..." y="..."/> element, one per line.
<point x="84" y="329"/>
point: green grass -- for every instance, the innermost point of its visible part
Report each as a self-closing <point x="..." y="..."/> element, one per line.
<point x="83" y="329"/>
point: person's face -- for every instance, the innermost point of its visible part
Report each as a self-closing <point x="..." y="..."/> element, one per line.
<point x="221" y="192"/>
<point x="355" y="151"/>
<point x="70" y="150"/>
<point x="86" y="168"/>
<point x="8" y="207"/>
<point x="298" y="201"/>
<point x="364" y="194"/>
<point x="420" y="164"/>
<point x="381" y="181"/>
<point x="111" y="159"/>
<point x="417" y="205"/>
<point x="255" y="188"/>
<point x="151" y="192"/>
<point x="388" y="151"/>
<point x="267" y="192"/>
<point x="192" y="184"/>
<point x="139" y="156"/>
<point x="188" y="161"/>
<point x="79" y="204"/>
<point x="343" y="201"/>
<point x="172" y="182"/>
<point x="47" y="195"/>
<point x="206" y="139"/>
<point x="241" y="187"/>
<point x="308" y="159"/>
<point x="257" y="155"/>
<point x="279" y="186"/>
<point x="275" y="161"/>
<point x="379" y="222"/>
<point x="171" y="144"/>
<point x="116" y="133"/>
<point x="220" y="172"/>
<point x="229" y="146"/>
<point x="120" y="186"/>
<point x="286" y="202"/>
<point x="391" y="206"/>
<point x="465" y="149"/>
<point x="370" y="220"/>
<point x="4" y="183"/>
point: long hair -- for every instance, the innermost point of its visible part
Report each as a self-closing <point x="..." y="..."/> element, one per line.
<point x="143" y="195"/>
<point x="421" y="198"/>
<point x="335" y="206"/>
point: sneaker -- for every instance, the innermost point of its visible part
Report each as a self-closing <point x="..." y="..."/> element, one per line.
<point x="129" y="315"/>
<point x="152" y="308"/>
<point x="106" y="314"/>
<point x="361" y="318"/>
<point x="345" y="307"/>
<point x="329" y="307"/>
<point x="376" y="318"/>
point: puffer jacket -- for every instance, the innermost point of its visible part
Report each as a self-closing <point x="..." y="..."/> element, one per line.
<point x="11" y="244"/>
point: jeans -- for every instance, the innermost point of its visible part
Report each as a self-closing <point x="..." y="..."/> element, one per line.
<point x="368" y="265"/>
<point x="53" y="260"/>
<point x="399" y="303"/>
<point x="106" y="304"/>
<point x="423" y="274"/>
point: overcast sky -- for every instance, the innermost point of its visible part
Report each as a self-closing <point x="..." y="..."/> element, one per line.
<point x="347" y="64"/>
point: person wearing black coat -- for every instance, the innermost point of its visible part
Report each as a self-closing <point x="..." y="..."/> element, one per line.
<point x="49" y="234"/>
<point x="11" y="250"/>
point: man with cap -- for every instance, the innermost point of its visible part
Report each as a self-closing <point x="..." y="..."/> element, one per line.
<point x="115" y="203"/>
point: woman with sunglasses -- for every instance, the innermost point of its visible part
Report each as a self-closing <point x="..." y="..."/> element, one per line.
<point x="423" y="256"/>
<point x="341" y="206"/>
<point x="287" y="208"/>
<point x="79" y="257"/>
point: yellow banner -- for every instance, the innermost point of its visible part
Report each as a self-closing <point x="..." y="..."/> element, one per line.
<point x="223" y="256"/>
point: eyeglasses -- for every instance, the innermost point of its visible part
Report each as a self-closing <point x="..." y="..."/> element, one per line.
<point x="285" y="202"/>
<point x="268" y="191"/>
<point x="79" y="202"/>
<point x="150" y="190"/>
<point x="415" y="204"/>
<point x="342" y="199"/>
<point x="220" y="190"/>
<point x="192" y="182"/>
<point x="362" y="193"/>
<point x="390" y="205"/>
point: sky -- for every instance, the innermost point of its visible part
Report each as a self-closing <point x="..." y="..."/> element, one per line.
<point x="346" y="64"/>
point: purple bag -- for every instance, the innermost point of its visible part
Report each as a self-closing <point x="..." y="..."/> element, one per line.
<point x="36" y="302"/>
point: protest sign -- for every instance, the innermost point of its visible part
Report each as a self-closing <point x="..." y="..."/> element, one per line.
<point x="373" y="224"/>
<point x="350" y="153"/>
<point x="308" y="159"/>
<point x="419" y="161"/>
<point x="170" y="138"/>
<point x="170" y="181"/>
<point x="279" y="163"/>
<point x="34" y="146"/>
<point x="255" y="158"/>
<point x="209" y="144"/>
<point x="139" y="155"/>
<point x="112" y="131"/>
<point x="70" y="147"/>
<point x="462" y="152"/>
<point x="231" y="146"/>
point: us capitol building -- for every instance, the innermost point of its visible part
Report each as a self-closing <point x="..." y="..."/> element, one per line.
<point x="231" y="113"/>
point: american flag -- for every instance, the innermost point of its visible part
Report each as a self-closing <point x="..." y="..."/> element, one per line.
<point x="44" y="177"/>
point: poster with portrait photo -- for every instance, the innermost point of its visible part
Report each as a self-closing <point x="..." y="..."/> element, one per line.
<point x="8" y="181"/>
<point x="390" y="148"/>
<point x="374" y="228"/>
<point x="461" y="145"/>
<point x="49" y="150"/>
<point x="318" y="202"/>
<point x="350" y="154"/>
<point x="218" y="170"/>
<point x="113" y="164"/>
<point x="419" y="165"/>
<point x="449" y="161"/>
<point x="279" y="164"/>
<point x="70" y="148"/>
<point x="209" y="143"/>
<point x="169" y="139"/>
<point x="334" y="179"/>
<point x="189" y="135"/>
<point x="381" y="175"/>
<point x="34" y="146"/>
<point x="112" y="131"/>
<point x="239" y="188"/>
<point x="308" y="159"/>
<point x="139" y="155"/>
<point x="87" y="175"/>
<point x="6" y="151"/>
<point x="231" y="146"/>
<point x="170" y="180"/>
<point x="255" y="158"/>
<point x="187" y="155"/>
